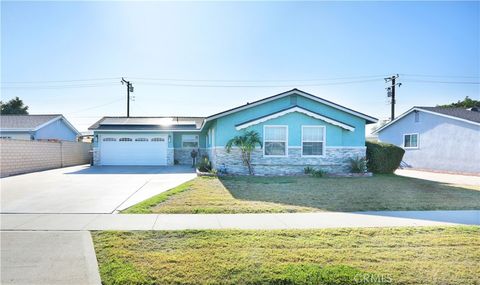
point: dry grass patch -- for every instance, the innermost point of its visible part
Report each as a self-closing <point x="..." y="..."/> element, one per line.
<point x="307" y="194"/>
<point x="434" y="255"/>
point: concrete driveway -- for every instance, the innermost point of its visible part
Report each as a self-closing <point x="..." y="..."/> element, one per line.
<point x="85" y="189"/>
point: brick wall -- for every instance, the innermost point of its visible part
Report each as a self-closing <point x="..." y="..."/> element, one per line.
<point x="23" y="156"/>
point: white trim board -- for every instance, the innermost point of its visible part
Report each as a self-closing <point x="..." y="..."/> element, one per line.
<point x="291" y="110"/>
<point x="426" y="111"/>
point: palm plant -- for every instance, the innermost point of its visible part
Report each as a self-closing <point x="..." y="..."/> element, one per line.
<point x="246" y="143"/>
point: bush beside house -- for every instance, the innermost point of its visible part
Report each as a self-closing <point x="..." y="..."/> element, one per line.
<point x="383" y="157"/>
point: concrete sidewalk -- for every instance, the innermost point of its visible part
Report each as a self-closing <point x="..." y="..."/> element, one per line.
<point x="48" y="258"/>
<point x="318" y="220"/>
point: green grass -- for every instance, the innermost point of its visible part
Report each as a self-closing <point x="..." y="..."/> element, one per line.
<point x="308" y="194"/>
<point x="432" y="255"/>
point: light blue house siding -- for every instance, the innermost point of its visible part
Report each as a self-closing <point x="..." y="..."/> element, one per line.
<point x="444" y="144"/>
<point x="56" y="130"/>
<point x="341" y="144"/>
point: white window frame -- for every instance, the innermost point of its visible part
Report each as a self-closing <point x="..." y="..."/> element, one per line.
<point x="411" y="147"/>
<point x="286" y="140"/>
<point x="324" y="142"/>
<point x="198" y="142"/>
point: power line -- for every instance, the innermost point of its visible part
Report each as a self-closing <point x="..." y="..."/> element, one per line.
<point x="438" y="76"/>
<point x="60" y="86"/>
<point x="97" y="106"/>
<point x="442" y="82"/>
<point x="262" y="80"/>
<point x="255" y="86"/>
<point x="61" y="81"/>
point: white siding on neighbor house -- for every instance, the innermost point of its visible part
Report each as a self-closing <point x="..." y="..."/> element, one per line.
<point x="16" y="135"/>
<point x="444" y="144"/>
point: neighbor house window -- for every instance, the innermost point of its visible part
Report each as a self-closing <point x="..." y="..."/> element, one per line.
<point x="190" y="141"/>
<point x="109" y="139"/>
<point x="410" y="141"/>
<point x="275" y="140"/>
<point x="313" y="140"/>
<point x="417" y="116"/>
<point x="124" y="139"/>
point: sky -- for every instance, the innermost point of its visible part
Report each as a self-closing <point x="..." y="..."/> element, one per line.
<point x="197" y="59"/>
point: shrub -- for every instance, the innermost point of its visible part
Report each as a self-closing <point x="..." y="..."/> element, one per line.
<point x="358" y="164"/>
<point x="314" y="172"/>
<point x="204" y="165"/>
<point x="383" y="157"/>
<point x="308" y="170"/>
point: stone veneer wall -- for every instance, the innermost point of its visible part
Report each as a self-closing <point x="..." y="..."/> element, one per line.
<point x="24" y="156"/>
<point x="334" y="161"/>
<point x="183" y="156"/>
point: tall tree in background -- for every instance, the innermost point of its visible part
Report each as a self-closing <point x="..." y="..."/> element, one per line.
<point x="13" y="107"/>
<point x="465" y="103"/>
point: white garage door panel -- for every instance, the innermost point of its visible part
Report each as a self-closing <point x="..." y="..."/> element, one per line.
<point x="114" y="151"/>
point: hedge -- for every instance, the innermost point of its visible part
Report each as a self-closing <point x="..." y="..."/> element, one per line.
<point x="383" y="157"/>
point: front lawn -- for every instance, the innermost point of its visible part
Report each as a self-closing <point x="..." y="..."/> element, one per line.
<point x="307" y="194"/>
<point x="433" y="255"/>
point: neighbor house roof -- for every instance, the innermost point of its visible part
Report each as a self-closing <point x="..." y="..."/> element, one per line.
<point x="25" y="122"/>
<point x="148" y="123"/>
<point x="460" y="114"/>
<point x="368" y="119"/>
<point x="28" y="123"/>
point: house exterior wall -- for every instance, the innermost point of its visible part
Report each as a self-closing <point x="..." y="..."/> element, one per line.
<point x="56" y="130"/>
<point x="341" y="144"/>
<point x="445" y="144"/>
<point x="16" y="135"/>
<point x="334" y="161"/>
<point x="225" y="126"/>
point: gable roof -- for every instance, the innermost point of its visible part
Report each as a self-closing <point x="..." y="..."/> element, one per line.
<point x="460" y="114"/>
<point x="25" y="123"/>
<point x="291" y="110"/>
<point x="148" y="123"/>
<point x="368" y="119"/>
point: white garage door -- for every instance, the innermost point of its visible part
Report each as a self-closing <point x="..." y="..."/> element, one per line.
<point x="133" y="149"/>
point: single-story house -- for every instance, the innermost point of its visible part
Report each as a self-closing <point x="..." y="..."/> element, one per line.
<point x="298" y="129"/>
<point x="437" y="138"/>
<point x="37" y="127"/>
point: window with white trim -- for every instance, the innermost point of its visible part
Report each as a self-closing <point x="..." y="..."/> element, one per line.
<point x="275" y="140"/>
<point x="313" y="140"/>
<point x="190" y="141"/>
<point x="410" y="140"/>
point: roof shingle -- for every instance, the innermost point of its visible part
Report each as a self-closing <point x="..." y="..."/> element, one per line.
<point x="24" y="121"/>
<point x="461" y="113"/>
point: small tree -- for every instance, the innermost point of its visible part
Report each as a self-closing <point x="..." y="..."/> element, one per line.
<point x="247" y="143"/>
<point x="13" y="107"/>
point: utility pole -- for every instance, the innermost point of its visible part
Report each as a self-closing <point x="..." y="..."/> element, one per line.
<point x="129" y="89"/>
<point x="391" y="93"/>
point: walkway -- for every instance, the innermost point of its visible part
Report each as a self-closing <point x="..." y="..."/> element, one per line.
<point x="440" y="177"/>
<point x="319" y="220"/>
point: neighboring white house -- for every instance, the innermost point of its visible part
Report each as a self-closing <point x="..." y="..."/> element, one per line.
<point x="37" y="127"/>
<point x="436" y="138"/>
